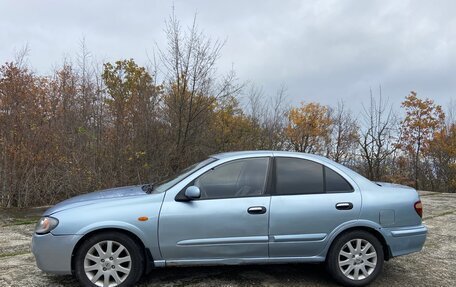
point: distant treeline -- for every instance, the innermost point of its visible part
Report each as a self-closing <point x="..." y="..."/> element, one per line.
<point x="88" y="126"/>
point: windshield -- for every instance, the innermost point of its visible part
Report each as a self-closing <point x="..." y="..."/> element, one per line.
<point x="170" y="182"/>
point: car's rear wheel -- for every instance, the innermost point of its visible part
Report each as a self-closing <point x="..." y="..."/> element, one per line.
<point x="109" y="259"/>
<point x="355" y="258"/>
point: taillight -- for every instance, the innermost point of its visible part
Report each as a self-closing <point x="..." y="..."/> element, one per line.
<point x="419" y="208"/>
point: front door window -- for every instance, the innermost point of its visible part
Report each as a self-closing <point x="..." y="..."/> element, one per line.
<point x="239" y="178"/>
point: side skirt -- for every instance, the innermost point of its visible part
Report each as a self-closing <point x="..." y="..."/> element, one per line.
<point x="238" y="261"/>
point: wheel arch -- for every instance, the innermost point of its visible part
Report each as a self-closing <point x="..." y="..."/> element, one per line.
<point x="367" y="228"/>
<point x="146" y="252"/>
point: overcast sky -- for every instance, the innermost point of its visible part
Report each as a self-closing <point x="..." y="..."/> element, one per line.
<point x="321" y="51"/>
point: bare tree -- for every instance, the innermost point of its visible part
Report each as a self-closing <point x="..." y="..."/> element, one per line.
<point x="344" y="135"/>
<point x="450" y="113"/>
<point x="378" y="136"/>
<point x="275" y="120"/>
<point x="268" y="117"/>
<point x="192" y="85"/>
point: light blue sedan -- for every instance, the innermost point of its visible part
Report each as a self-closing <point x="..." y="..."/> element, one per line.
<point x="234" y="208"/>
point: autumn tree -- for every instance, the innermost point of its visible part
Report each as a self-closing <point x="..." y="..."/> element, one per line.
<point x="422" y="119"/>
<point x="232" y="130"/>
<point x="308" y="127"/>
<point x="132" y="99"/>
<point x="68" y="132"/>
<point x="442" y="151"/>
<point x="23" y="124"/>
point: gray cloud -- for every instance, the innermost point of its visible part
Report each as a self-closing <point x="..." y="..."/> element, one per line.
<point x="321" y="50"/>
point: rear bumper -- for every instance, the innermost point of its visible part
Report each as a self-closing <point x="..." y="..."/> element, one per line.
<point x="53" y="252"/>
<point x="405" y="240"/>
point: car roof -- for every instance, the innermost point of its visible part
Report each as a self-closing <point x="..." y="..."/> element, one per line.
<point x="241" y="154"/>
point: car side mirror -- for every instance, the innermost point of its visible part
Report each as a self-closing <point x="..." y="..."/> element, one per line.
<point x="193" y="192"/>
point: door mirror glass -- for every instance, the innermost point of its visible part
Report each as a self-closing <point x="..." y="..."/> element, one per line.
<point x="192" y="192"/>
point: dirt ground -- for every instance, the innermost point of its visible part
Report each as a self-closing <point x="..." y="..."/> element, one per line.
<point x="434" y="266"/>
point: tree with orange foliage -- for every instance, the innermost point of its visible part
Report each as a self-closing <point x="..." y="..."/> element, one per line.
<point x="132" y="101"/>
<point x="442" y="150"/>
<point x="23" y="122"/>
<point x="308" y="127"/>
<point x="422" y="119"/>
<point x="232" y="129"/>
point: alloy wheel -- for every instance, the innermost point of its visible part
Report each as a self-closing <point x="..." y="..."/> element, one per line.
<point x="357" y="259"/>
<point x="107" y="263"/>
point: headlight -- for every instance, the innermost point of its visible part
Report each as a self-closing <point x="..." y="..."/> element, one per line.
<point x="46" y="224"/>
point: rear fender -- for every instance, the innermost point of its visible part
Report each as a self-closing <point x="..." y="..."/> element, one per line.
<point x="353" y="224"/>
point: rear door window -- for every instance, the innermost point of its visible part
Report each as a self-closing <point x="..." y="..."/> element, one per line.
<point x="298" y="176"/>
<point x="301" y="176"/>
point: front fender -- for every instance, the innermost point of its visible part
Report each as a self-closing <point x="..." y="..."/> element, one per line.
<point x="122" y="214"/>
<point x="115" y="225"/>
<point x="148" y="241"/>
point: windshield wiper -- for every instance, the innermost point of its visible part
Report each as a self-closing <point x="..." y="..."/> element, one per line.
<point x="148" y="188"/>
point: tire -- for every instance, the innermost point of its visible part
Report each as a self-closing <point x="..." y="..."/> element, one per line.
<point x="361" y="267"/>
<point x="123" y="266"/>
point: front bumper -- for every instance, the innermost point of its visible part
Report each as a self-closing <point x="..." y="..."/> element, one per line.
<point x="405" y="240"/>
<point x="53" y="252"/>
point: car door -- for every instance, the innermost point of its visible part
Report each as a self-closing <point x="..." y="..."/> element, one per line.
<point x="229" y="221"/>
<point x="309" y="200"/>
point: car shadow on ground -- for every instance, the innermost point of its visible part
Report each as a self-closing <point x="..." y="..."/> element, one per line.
<point x="240" y="275"/>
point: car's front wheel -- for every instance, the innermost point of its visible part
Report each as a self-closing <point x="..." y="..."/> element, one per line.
<point x="355" y="258"/>
<point x="108" y="259"/>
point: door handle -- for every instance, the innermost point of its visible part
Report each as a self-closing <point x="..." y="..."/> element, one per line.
<point x="256" y="210"/>
<point x="344" y="205"/>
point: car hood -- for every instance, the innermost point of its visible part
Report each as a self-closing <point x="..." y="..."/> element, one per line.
<point x="90" y="198"/>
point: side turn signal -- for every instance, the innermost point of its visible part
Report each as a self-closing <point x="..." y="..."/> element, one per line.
<point x="143" y="218"/>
